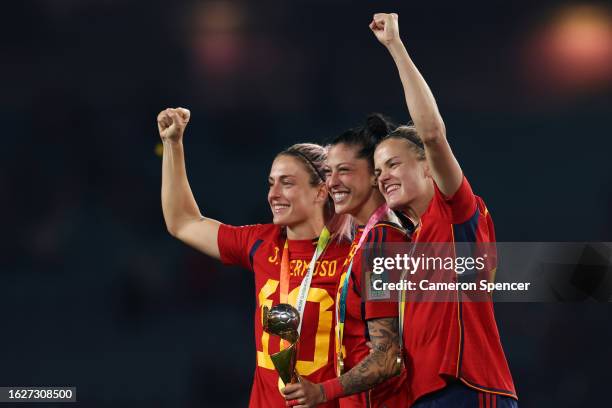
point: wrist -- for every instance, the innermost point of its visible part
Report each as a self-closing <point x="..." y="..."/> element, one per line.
<point x="395" y="46"/>
<point x="172" y="142"/>
<point x="332" y="389"/>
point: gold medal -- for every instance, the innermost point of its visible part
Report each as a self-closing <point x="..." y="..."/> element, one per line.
<point x="398" y="364"/>
<point x="340" y="369"/>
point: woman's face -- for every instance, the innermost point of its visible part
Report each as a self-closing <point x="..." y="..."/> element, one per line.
<point x="293" y="200"/>
<point x="350" y="180"/>
<point x="402" y="177"/>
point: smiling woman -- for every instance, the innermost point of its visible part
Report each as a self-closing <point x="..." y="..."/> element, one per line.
<point x="453" y="347"/>
<point x="297" y="256"/>
<point x="352" y="184"/>
<point x="295" y="183"/>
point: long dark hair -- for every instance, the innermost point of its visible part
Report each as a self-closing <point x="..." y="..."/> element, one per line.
<point x="366" y="136"/>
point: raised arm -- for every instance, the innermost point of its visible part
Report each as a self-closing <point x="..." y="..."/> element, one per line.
<point x="181" y="213"/>
<point x="378" y="366"/>
<point x="443" y="165"/>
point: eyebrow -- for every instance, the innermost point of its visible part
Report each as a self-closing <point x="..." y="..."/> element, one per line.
<point x="340" y="164"/>
<point x="390" y="159"/>
<point x="282" y="178"/>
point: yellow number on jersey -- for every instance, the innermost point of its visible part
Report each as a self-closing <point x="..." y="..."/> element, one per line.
<point x="321" y="354"/>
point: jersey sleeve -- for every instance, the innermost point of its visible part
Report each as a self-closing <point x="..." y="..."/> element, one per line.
<point x="378" y="236"/>
<point x="235" y="243"/>
<point x="459" y="207"/>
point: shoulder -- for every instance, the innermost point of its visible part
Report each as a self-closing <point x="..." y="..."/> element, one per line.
<point x="265" y="232"/>
<point x="339" y="245"/>
<point x="456" y="208"/>
<point x="386" y="231"/>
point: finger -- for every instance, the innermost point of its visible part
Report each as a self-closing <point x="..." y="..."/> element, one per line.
<point x="184" y="113"/>
<point x="175" y="117"/>
<point x="380" y="18"/>
<point x="292" y="403"/>
<point x="161" y="115"/>
<point x="379" y="24"/>
<point x="164" y="116"/>
<point x="162" y="121"/>
<point x="295" y="395"/>
<point x="289" y="388"/>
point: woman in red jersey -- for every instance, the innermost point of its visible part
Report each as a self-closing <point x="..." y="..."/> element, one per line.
<point x="352" y="184"/>
<point x="453" y="347"/>
<point x="452" y="350"/>
<point x="295" y="257"/>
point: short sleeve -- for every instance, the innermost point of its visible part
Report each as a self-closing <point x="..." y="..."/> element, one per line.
<point x="460" y="206"/>
<point x="235" y="243"/>
<point x="381" y="234"/>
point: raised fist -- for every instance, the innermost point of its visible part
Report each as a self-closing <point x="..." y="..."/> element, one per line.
<point x="385" y="27"/>
<point x="172" y="122"/>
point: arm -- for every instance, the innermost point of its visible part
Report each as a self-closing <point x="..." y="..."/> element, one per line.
<point x="181" y="213"/>
<point x="443" y="165"/>
<point x="378" y="366"/>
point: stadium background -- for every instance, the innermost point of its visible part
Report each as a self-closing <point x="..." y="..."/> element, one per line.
<point x="95" y="294"/>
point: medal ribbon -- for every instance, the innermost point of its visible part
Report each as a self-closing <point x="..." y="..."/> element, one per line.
<point x="343" y="292"/>
<point x="402" y="300"/>
<point x="285" y="273"/>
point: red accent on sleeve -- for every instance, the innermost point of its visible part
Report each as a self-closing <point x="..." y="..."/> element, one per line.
<point x="380" y="310"/>
<point x="332" y="389"/>
<point x="459" y="207"/>
<point x="234" y="243"/>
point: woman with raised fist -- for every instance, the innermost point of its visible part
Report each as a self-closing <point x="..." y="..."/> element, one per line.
<point x="297" y="259"/>
<point x="451" y="349"/>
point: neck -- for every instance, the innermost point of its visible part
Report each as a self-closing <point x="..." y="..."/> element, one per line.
<point x="367" y="209"/>
<point x="419" y="205"/>
<point x="308" y="229"/>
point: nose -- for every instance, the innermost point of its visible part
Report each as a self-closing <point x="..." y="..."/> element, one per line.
<point x="383" y="176"/>
<point x="274" y="191"/>
<point x="332" y="180"/>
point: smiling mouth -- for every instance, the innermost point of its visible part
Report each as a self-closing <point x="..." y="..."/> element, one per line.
<point x="340" y="196"/>
<point x="391" y="188"/>
<point x="278" y="208"/>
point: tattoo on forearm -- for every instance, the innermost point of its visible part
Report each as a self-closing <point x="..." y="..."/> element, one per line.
<point x="378" y="365"/>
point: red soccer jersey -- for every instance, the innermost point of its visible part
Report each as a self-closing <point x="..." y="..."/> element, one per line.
<point x="446" y="340"/>
<point x="393" y="392"/>
<point x="259" y="249"/>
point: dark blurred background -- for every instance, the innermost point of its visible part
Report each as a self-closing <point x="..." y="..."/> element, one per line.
<point x="95" y="293"/>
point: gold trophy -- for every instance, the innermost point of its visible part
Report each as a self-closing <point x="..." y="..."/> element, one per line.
<point x="283" y="320"/>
